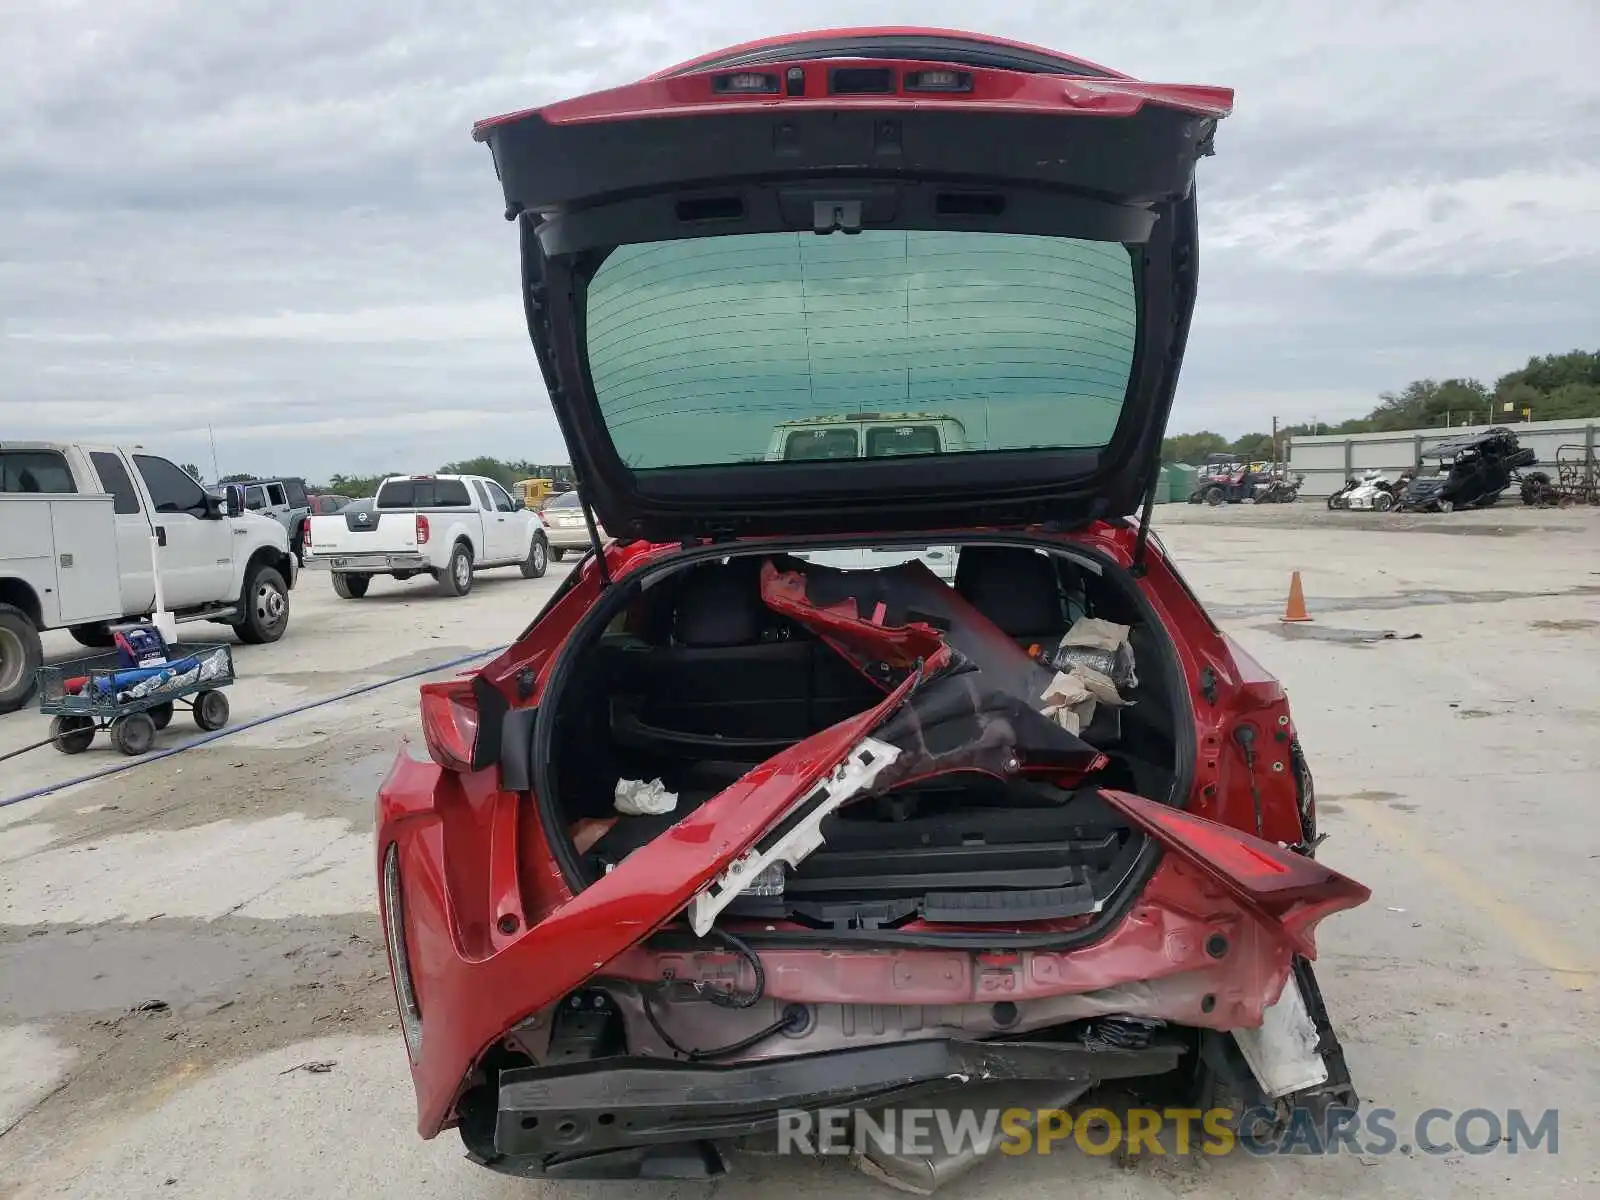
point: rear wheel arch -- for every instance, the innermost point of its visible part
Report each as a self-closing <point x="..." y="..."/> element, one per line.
<point x="270" y="556"/>
<point x="21" y="596"/>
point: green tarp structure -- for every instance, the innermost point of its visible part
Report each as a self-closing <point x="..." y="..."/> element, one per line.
<point x="1181" y="478"/>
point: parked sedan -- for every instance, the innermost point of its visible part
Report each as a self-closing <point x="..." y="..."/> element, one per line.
<point x="563" y="521"/>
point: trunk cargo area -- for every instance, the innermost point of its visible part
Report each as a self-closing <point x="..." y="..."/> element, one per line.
<point x="705" y="677"/>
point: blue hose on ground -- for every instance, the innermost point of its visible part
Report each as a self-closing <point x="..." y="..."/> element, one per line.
<point x="207" y="739"/>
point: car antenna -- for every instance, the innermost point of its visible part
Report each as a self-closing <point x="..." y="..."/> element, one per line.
<point x="594" y="535"/>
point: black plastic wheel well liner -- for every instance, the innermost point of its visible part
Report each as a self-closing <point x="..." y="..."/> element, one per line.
<point x="540" y="770"/>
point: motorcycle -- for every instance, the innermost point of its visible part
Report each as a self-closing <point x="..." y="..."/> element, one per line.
<point x="1278" y="489"/>
<point x="1339" y="499"/>
<point x="1374" y="493"/>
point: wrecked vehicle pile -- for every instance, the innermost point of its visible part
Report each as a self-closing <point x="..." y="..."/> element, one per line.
<point x="728" y="833"/>
<point x="1471" y="472"/>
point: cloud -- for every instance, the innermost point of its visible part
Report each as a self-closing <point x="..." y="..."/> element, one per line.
<point x="269" y="218"/>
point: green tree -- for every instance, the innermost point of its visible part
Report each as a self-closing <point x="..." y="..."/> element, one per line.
<point x="1192" y="447"/>
<point x="357" y="487"/>
<point x="1253" y="447"/>
<point x="238" y="477"/>
<point x="1552" y="372"/>
<point x="192" y="471"/>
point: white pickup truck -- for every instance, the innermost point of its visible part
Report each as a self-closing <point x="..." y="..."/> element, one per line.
<point x="76" y="529"/>
<point x="443" y="526"/>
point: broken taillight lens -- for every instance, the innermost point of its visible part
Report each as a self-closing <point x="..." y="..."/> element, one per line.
<point x="422" y="530"/>
<point x="450" y="722"/>
<point x="1290" y="890"/>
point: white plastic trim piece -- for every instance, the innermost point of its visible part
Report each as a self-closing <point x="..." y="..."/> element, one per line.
<point x="850" y="778"/>
<point x="1282" y="1053"/>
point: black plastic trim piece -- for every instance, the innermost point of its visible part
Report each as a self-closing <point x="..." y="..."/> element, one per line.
<point x="516" y="748"/>
<point x="492" y="710"/>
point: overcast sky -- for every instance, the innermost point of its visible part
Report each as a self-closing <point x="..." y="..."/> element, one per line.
<point x="268" y="215"/>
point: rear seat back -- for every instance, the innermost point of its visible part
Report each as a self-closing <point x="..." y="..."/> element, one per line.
<point x="1031" y="597"/>
<point x="735" y="668"/>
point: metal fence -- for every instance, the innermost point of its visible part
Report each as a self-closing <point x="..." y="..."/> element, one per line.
<point x="1328" y="460"/>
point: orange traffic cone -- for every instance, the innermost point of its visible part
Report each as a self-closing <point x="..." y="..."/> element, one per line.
<point x="1295" y="610"/>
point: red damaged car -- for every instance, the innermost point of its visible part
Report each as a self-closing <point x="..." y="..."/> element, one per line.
<point x="733" y="831"/>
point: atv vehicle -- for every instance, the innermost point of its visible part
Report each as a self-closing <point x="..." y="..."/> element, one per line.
<point x="727" y="833"/>
<point x="1472" y="472"/>
<point x="1224" y="480"/>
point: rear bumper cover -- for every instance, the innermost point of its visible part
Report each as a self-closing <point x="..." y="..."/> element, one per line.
<point x="375" y="562"/>
<point x="631" y="1102"/>
<point x="568" y="538"/>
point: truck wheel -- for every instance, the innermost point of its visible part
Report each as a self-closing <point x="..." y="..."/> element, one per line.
<point x="20" y="656"/>
<point x="265" y="606"/>
<point x="538" y="560"/>
<point x="133" y="734"/>
<point x="347" y="585"/>
<point x="557" y="553"/>
<point x="1214" y="496"/>
<point x="96" y="636"/>
<point x="210" y="710"/>
<point x="72" y="735"/>
<point x="456" y="578"/>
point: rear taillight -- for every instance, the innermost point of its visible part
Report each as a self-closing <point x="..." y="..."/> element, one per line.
<point x="1287" y="888"/>
<point x="450" y="722"/>
<point x="422" y="530"/>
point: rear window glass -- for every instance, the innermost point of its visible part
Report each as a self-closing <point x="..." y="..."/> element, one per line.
<point x="564" y="500"/>
<point x="424" y="493"/>
<point x="114" y="478"/>
<point x="887" y="441"/>
<point x="703" y="350"/>
<point x="35" y="472"/>
<point x="810" y="445"/>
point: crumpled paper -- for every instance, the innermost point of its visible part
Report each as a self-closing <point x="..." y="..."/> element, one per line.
<point x="1063" y="698"/>
<point x="1092" y="659"/>
<point x="1101" y="646"/>
<point x="641" y="798"/>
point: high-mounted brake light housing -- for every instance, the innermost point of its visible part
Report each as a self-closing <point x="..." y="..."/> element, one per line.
<point x="745" y="83"/>
<point x="937" y="79"/>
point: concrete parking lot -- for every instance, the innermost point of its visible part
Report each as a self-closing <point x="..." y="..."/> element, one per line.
<point x="178" y="938"/>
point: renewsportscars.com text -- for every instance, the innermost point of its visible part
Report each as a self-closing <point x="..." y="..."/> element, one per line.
<point x="1169" y="1131"/>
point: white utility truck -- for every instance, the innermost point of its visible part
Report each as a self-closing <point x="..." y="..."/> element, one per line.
<point x="82" y="531"/>
<point x="443" y="526"/>
<point x="871" y="435"/>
